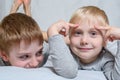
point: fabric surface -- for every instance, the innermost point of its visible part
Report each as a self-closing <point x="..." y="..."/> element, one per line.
<point x="65" y="66"/>
<point x="15" y="73"/>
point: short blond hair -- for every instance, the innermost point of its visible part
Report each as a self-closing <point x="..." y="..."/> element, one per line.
<point x="16" y="27"/>
<point x="90" y="12"/>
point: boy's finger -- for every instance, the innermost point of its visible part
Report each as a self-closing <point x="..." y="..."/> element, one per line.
<point x="107" y="36"/>
<point x="63" y="33"/>
<point x="111" y="38"/>
<point x="102" y="27"/>
<point x="73" y="25"/>
<point x="103" y="32"/>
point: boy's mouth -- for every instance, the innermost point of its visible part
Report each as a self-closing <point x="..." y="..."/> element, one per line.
<point x="85" y="49"/>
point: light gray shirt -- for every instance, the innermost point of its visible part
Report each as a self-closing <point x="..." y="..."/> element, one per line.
<point x="67" y="65"/>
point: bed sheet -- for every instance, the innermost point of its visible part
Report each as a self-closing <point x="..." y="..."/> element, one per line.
<point x="15" y="73"/>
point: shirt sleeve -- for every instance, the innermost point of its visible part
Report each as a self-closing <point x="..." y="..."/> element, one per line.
<point x="112" y="66"/>
<point x="63" y="62"/>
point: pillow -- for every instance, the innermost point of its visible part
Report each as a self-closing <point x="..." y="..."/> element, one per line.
<point x="43" y="73"/>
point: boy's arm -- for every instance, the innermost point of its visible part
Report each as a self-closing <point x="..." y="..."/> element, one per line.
<point x="111" y="33"/>
<point x="45" y="37"/>
<point x="62" y="59"/>
<point x="116" y="70"/>
<point x="63" y="62"/>
<point x="60" y="27"/>
<point x="112" y="67"/>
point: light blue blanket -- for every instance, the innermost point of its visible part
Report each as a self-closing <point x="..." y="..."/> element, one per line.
<point x="15" y="73"/>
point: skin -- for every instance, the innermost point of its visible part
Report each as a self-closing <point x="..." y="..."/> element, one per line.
<point x="26" y="54"/>
<point x="86" y="42"/>
<point x="60" y="27"/>
<point x="18" y="3"/>
<point x="112" y="33"/>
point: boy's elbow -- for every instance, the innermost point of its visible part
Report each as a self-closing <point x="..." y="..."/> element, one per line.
<point x="70" y="74"/>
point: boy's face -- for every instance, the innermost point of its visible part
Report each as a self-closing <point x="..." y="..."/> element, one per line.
<point x="27" y="54"/>
<point x="86" y="42"/>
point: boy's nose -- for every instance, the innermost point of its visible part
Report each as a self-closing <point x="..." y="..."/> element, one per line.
<point x="34" y="63"/>
<point x="84" y="40"/>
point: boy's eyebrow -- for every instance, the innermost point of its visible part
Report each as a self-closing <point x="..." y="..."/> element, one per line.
<point x="23" y="51"/>
<point x="93" y="29"/>
<point x="96" y="30"/>
<point x="40" y="49"/>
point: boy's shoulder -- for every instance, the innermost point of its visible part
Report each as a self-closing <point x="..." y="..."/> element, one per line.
<point x="107" y="54"/>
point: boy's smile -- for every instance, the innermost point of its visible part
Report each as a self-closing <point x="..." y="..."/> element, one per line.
<point x="86" y="42"/>
<point x="85" y="49"/>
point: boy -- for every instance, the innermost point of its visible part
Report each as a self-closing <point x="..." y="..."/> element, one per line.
<point x="21" y="42"/>
<point x="86" y="45"/>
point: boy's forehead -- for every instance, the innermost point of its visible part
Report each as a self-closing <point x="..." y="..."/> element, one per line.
<point x="27" y="42"/>
<point x="25" y="47"/>
<point x="30" y="45"/>
<point x="86" y="24"/>
<point x="88" y="21"/>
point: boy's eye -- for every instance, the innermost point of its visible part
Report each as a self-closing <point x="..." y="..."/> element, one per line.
<point x="77" y="33"/>
<point x="39" y="53"/>
<point x="93" y="33"/>
<point x="24" y="57"/>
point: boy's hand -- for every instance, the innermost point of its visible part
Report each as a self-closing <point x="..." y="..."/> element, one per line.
<point x="60" y="27"/>
<point x="111" y="33"/>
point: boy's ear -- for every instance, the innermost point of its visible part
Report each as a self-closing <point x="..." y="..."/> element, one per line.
<point x="3" y="55"/>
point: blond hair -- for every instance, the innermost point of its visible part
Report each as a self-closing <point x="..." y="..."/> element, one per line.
<point x="16" y="27"/>
<point x="89" y="13"/>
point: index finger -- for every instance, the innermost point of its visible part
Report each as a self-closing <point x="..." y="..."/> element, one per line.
<point x="73" y="25"/>
<point x="102" y="27"/>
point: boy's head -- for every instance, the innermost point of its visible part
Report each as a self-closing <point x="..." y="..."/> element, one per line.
<point x="21" y="41"/>
<point x="86" y="41"/>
